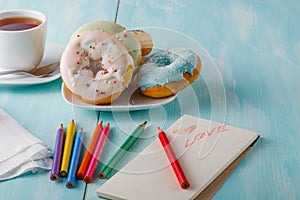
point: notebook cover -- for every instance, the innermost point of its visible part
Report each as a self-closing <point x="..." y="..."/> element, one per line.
<point x="208" y="151"/>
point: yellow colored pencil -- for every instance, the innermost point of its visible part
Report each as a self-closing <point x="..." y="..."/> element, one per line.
<point x="67" y="149"/>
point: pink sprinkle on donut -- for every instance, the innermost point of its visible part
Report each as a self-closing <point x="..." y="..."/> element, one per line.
<point x="125" y="35"/>
<point x="92" y="59"/>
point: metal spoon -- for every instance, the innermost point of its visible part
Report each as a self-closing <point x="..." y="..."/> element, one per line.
<point x="40" y="72"/>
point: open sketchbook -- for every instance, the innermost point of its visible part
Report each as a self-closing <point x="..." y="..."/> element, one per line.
<point x="207" y="152"/>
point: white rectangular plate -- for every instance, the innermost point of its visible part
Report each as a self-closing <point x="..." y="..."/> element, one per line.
<point x="131" y="99"/>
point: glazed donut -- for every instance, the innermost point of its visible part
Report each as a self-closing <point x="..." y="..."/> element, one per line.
<point x="165" y="73"/>
<point x="126" y="37"/>
<point x="144" y="39"/>
<point x="96" y="67"/>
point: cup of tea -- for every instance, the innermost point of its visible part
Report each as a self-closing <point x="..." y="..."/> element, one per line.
<point x="22" y="39"/>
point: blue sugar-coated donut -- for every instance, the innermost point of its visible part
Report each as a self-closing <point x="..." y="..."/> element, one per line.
<point x="166" y="66"/>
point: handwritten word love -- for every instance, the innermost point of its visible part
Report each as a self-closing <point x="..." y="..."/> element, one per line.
<point x="188" y="130"/>
<point x="200" y="135"/>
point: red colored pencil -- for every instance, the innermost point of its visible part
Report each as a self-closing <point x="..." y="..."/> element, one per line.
<point x="184" y="184"/>
<point x="89" y="152"/>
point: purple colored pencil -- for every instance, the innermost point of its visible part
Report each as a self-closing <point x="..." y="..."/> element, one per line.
<point x="57" y="154"/>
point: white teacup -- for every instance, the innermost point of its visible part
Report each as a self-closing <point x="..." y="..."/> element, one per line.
<point x="22" y="39"/>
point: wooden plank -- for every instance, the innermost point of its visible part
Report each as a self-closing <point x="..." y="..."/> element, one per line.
<point x="256" y="48"/>
<point x="41" y="108"/>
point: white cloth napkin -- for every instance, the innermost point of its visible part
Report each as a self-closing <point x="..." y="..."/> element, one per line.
<point x="20" y="151"/>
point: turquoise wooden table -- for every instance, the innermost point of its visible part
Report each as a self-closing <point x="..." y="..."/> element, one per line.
<point x="256" y="48"/>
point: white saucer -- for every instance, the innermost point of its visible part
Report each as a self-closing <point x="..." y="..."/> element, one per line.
<point x="52" y="54"/>
<point x="131" y="99"/>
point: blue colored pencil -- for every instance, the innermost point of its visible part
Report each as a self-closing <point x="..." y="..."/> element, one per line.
<point x="75" y="159"/>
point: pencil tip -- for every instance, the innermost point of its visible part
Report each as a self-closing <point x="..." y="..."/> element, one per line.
<point x="159" y="129"/>
<point x="61" y="125"/>
<point x="143" y="124"/>
<point x="108" y="124"/>
<point x="100" y="124"/>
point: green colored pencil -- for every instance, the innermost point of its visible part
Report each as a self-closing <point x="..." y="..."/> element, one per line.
<point x="115" y="159"/>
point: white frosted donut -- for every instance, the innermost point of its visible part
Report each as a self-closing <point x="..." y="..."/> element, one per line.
<point x="126" y="37"/>
<point x="96" y="66"/>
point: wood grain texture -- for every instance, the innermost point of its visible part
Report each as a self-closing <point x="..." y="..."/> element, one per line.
<point x="41" y="108"/>
<point x="256" y="47"/>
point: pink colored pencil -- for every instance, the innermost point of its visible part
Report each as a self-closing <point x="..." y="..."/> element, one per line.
<point x="89" y="176"/>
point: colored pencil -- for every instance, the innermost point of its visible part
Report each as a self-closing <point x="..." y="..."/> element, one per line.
<point x="89" y="152"/>
<point x="106" y="169"/>
<point x="75" y="159"/>
<point x="67" y="149"/>
<point x="57" y="154"/>
<point x="184" y="184"/>
<point x="97" y="155"/>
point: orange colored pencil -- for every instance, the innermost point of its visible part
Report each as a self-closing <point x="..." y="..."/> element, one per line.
<point x="89" y="176"/>
<point x="89" y="152"/>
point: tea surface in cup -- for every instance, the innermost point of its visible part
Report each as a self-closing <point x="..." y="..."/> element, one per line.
<point x="18" y="23"/>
